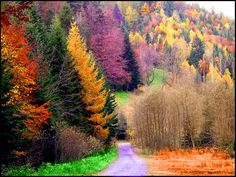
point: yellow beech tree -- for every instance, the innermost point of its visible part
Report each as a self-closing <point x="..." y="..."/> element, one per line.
<point x="227" y="78"/>
<point x="213" y="75"/>
<point x="130" y="15"/>
<point x="93" y="84"/>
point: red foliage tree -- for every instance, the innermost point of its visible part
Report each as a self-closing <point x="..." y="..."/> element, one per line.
<point x="15" y="11"/>
<point x="107" y="44"/>
<point x="15" y="52"/>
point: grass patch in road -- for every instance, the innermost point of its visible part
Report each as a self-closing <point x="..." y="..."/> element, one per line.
<point x="121" y="97"/>
<point x="86" y="166"/>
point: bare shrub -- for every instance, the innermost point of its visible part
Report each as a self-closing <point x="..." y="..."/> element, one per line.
<point x="180" y="116"/>
<point x="73" y="144"/>
<point x="220" y="112"/>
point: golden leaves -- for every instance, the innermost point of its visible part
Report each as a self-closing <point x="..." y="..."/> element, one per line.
<point x="94" y="95"/>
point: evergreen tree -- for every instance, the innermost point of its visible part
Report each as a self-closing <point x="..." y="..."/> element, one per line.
<point x="196" y="52"/>
<point x="168" y="8"/>
<point x="65" y="17"/>
<point x="7" y="120"/>
<point x="39" y="41"/>
<point x="57" y="47"/>
<point x="132" y="65"/>
<point x="95" y="94"/>
<point x="148" y="38"/>
<point x="66" y="90"/>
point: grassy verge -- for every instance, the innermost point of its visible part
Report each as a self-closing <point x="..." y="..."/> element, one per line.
<point x="86" y="166"/>
<point x="121" y="97"/>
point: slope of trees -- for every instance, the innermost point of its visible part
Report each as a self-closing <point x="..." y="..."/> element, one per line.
<point x="59" y="80"/>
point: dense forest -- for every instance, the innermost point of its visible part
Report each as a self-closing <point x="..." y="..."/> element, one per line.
<point x="62" y="63"/>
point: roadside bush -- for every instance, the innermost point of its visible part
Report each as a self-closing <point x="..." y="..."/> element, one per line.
<point x="73" y="144"/>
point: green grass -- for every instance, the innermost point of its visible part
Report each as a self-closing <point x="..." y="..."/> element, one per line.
<point x="83" y="167"/>
<point x="159" y="76"/>
<point x="121" y="97"/>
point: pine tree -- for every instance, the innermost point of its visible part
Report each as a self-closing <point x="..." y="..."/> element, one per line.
<point x="65" y="88"/>
<point x="65" y="16"/>
<point x="148" y="38"/>
<point x="197" y="52"/>
<point x="132" y="65"/>
<point x="95" y="96"/>
<point x="7" y="121"/>
<point x="39" y="40"/>
<point x="168" y="8"/>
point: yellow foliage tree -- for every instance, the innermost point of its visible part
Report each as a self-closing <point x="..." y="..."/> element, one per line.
<point x="213" y="75"/>
<point x="130" y="14"/>
<point x="199" y="34"/>
<point x="94" y="94"/>
<point x="135" y="38"/>
<point x="227" y="78"/>
<point x="183" y="50"/>
<point x="185" y="66"/>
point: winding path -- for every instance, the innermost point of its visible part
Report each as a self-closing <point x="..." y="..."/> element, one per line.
<point x="128" y="164"/>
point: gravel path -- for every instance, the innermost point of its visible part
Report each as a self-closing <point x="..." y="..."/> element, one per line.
<point x="128" y="164"/>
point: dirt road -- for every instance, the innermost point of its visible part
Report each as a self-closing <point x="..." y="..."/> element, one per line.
<point x="128" y="164"/>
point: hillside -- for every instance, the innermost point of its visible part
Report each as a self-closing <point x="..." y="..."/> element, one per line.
<point x="78" y="76"/>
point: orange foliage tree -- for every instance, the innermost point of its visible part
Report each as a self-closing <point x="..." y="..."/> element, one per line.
<point x="94" y="93"/>
<point x="14" y="52"/>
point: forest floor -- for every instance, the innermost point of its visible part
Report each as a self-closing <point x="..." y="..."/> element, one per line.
<point x="191" y="162"/>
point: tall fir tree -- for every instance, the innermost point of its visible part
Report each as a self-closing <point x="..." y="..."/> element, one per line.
<point x="168" y="8"/>
<point x="95" y="95"/>
<point x="65" y="16"/>
<point x="7" y="121"/>
<point x="132" y="65"/>
<point x="66" y="85"/>
<point x="197" y="52"/>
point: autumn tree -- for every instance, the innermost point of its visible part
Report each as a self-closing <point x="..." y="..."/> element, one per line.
<point x="106" y="42"/>
<point x="130" y="15"/>
<point x="64" y="88"/>
<point x="203" y="66"/>
<point x="30" y="116"/>
<point x="14" y="10"/>
<point x="95" y="95"/>
<point x="145" y="9"/>
<point x="16" y="50"/>
<point x="147" y="58"/>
